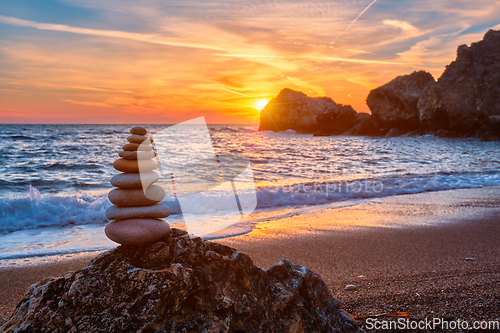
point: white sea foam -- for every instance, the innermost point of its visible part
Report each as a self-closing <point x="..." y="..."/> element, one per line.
<point x="34" y="210"/>
<point x="61" y="159"/>
<point x="38" y="211"/>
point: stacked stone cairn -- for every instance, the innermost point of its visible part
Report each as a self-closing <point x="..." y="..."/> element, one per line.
<point x="136" y="211"/>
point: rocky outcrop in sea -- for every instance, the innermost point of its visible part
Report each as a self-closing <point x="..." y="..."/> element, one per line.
<point x="395" y="104"/>
<point x="180" y="284"/>
<point x="294" y="110"/>
<point x="463" y="102"/>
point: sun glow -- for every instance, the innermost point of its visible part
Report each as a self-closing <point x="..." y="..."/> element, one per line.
<point x="261" y="103"/>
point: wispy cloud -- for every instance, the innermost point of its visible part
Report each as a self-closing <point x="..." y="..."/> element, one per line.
<point x="148" y="38"/>
<point x="170" y="60"/>
<point x="357" y="61"/>
<point x="418" y="52"/>
<point x="98" y="104"/>
<point x="401" y="24"/>
<point x="313" y="57"/>
<point x="245" y="55"/>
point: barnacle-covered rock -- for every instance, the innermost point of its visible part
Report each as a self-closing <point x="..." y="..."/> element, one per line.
<point x="180" y="284"/>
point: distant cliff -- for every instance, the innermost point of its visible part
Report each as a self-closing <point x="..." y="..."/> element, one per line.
<point x="394" y="104"/>
<point x="463" y="102"/>
<point x="294" y="110"/>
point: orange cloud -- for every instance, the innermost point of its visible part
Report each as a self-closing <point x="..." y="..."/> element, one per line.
<point x="164" y="63"/>
<point x="98" y="104"/>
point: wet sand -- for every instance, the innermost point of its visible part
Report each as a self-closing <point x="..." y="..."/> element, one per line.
<point x="16" y="280"/>
<point x="405" y="253"/>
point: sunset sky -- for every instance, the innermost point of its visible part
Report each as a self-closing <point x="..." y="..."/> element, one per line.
<point x="153" y="61"/>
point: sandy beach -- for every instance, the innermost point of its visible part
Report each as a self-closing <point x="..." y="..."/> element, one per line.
<point x="432" y="255"/>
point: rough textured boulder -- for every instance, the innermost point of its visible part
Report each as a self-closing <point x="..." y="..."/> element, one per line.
<point x="180" y="285"/>
<point x="468" y="92"/>
<point x="394" y="105"/>
<point x="490" y="130"/>
<point x="313" y="115"/>
<point x="365" y="125"/>
<point x="336" y="122"/>
<point x="464" y="102"/>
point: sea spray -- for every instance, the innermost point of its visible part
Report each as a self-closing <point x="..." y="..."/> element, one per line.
<point x="69" y="171"/>
<point x="34" y="210"/>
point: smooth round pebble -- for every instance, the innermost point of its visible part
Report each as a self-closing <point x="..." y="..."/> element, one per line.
<point x="138" y="130"/>
<point x="134" y="180"/>
<point x="139" y="139"/>
<point x="350" y="287"/>
<point x="136" y="147"/>
<point x="134" y="155"/>
<point x="121" y="213"/>
<point x="137" y="231"/>
<point x="124" y="165"/>
<point x="135" y="197"/>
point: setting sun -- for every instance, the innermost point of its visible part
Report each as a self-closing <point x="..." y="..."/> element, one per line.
<point x="261" y="103"/>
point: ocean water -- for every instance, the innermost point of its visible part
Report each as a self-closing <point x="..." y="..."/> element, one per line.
<point x="54" y="179"/>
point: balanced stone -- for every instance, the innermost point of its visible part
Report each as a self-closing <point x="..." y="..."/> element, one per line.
<point x="124" y="165"/>
<point x="137" y="231"/>
<point x="136" y="212"/>
<point x="134" y="180"/>
<point x="137" y="146"/>
<point x="134" y="155"/>
<point x="120" y="213"/>
<point x="136" y="197"/>
<point x="139" y="130"/>
<point x="138" y="138"/>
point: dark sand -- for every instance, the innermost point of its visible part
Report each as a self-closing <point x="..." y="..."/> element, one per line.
<point x="407" y="253"/>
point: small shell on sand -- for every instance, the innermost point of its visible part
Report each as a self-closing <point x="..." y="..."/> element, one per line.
<point x="137" y="231"/>
<point x="120" y="213"/>
<point x="134" y="180"/>
<point x="134" y="155"/>
<point x="136" y="197"/>
<point x="139" y="130"/>
<point x="124" y="165"/>
<point x="137" y="146"/>
<point x="138" y="139"/>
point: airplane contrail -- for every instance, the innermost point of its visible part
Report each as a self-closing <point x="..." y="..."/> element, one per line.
<point x="236" y="92"/>
<point x="357" y="18"/>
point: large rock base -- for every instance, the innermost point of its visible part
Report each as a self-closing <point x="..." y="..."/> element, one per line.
<point x="180" y="285"/>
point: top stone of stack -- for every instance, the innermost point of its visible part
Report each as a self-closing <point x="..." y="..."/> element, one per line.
<point x="138" y="130"/>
